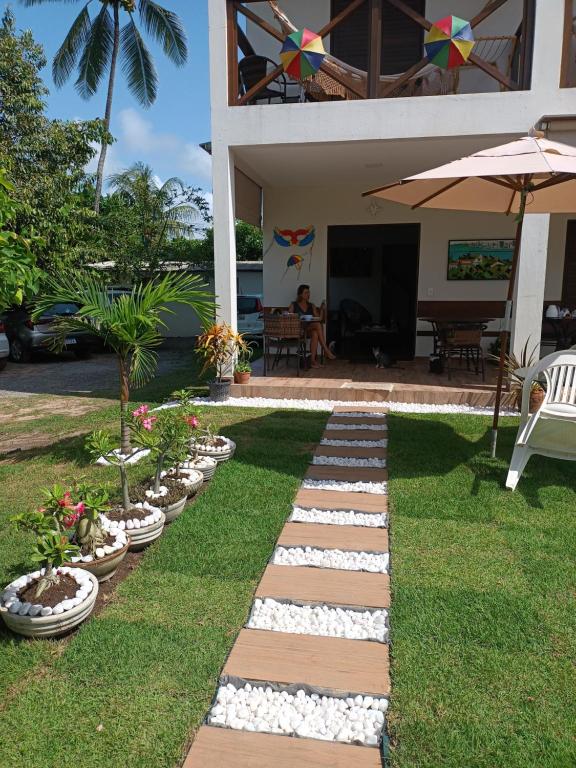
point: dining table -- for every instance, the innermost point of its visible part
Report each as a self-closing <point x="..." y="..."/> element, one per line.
<point x="443" y="322"/>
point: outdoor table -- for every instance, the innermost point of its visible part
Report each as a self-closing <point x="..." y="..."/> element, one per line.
<point x="564" y="330"/>
<point x="448" y="321"/>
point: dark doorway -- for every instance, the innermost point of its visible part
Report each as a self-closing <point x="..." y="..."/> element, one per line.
<point x="372" y="289"/>
<point x="569" y="281"/>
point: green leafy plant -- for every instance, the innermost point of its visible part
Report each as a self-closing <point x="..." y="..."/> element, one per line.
<point x="130" y="323"/>
<point x="166" y="434"/>
<point x="51" y="549"/>
<point x="243" y="364"/>
<point x="219" y="347"/>
<point x="528" y="357"/>
<point x="99" y="444"/>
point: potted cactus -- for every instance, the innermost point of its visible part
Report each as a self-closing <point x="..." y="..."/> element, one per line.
<point x="56" y="598"/>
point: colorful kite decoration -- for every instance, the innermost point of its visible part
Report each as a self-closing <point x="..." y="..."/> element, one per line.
<point x="302" y="54"/>
<point x="294" y="261"/>
<point x="449" y="42"/>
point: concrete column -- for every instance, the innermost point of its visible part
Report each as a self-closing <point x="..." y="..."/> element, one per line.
<point x="548" y="44"/>
<point x="530" y="283"/>
<point x="224" y="235"/>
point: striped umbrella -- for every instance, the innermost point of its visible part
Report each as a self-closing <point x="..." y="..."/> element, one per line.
<point x="302" y="54"/>
<point x="449" y="42"/>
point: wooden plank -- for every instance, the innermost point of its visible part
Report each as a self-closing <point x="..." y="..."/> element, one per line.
<point x="232" y="44"/>
<point x="327" y="662"/>
<point x="356" y="434"/>
<point x="223" y="748"/>
<point x="262" y="23"/>
<point x="360" y="408"/>
<point x="339" y="18"/>
<point x="353" y="537"/>
<point x="566" y="45"/>
<point x="375" y="420"/>
<point x="374" y="47"/>
<point x="323" y="585"/>
<point x="347" y="474"/>
<point x="359" y="502"/>
<point x="349" y="452"/>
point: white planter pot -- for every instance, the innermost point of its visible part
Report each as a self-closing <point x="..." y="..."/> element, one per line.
<point x="104" y="567"/>
<point x="141" y="537"/>
<point x="207" y="466"/>
<point x="172" y="511"/>
<point x="55" y="624"/>
<point x="220" y="453"/>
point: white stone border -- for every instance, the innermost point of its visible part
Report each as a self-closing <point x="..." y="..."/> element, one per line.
<point x="9" y="600"/>
<point x="320" y="619"/>
<point x="355" y="427"/>
<point x="354" y="443"/>
<point x="339" y="517"/>
<point x="380" y="489"/>
<point x="352" y="720"/>
<point x="345" y="560"/>
<point x="348" y="461"/>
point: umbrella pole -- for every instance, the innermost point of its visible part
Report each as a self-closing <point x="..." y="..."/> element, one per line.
<point x="505" y="332"/>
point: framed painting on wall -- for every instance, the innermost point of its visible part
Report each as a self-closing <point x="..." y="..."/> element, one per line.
<point x="480" y="259"/>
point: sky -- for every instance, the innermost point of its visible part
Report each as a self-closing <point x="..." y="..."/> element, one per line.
<point x="167" y="135"/>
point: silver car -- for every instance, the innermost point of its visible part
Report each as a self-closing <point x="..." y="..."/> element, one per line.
<point x="4" y="346"/>
<point x="250" y="315"/>
<point x="26" y="336"/>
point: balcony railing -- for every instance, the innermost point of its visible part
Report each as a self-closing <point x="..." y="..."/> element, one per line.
<point x="568" y="77"/>
<point x="503" y="61"/>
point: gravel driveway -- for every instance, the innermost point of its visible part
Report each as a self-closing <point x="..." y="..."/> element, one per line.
<point x="66" y="375"/>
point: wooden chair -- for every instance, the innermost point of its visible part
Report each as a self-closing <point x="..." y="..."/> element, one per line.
<point x="464" y="341"/>
<point x="550" y="431"/>
<point x="283" y="333"/>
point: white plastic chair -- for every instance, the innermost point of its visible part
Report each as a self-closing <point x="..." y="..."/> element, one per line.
<point x="551" y="431"/>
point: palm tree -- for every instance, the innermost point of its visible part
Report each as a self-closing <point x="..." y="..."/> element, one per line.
<point x="164" y="211"/>
<point x="129" y="324"/>
<point x="97" y="43"/>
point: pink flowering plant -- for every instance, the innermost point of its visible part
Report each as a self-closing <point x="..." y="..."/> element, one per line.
<point x="67" y="521"/>
<point x="166" y="434"/>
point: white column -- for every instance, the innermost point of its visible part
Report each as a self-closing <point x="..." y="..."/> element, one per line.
<point x="548" y="44"/>
<point x="224" y="235"/>
<point x="530" y="283"/>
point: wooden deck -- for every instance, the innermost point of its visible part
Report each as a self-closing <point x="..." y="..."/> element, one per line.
<point x="409" y="382"/>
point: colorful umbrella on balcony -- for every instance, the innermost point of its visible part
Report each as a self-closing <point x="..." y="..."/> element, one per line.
<point x="302" y="54"/>
<point x="449" y="42"/>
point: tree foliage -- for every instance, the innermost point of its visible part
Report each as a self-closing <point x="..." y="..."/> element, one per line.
<point x="45" y="159"/>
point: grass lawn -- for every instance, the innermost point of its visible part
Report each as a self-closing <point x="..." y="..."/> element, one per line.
<point x="484" y="601"/>
<point x="483" y="615"/>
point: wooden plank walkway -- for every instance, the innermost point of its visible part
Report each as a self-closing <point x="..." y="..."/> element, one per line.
<point x="320" y="585"/>
<point x="375" y="420"/>
<point x="352" y="537"/>
<point x="223" y="748"/>
<point x="327" y="663"/>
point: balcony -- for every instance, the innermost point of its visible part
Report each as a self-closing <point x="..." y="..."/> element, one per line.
<point x="375" y="49"/>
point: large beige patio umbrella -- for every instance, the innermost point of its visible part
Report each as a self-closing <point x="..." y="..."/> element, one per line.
<point x="530" y="175"/>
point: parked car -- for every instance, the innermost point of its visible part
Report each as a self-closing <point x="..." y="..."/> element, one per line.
<point x="250" y="315"/>
<point x="26" y="336"/>
<point x="4" y="346"/>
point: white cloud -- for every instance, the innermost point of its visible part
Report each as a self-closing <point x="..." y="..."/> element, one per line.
<point x="177" y="157"/>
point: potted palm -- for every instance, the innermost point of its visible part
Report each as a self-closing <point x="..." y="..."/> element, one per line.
<point x="527" y="359"/>
<point x="129" y="324"/>
<point x="219" y="347"/>
<point x="56" y="598"/>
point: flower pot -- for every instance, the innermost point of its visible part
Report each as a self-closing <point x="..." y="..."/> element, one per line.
<point x="172" y="511"/>
<point x="536" y="400"/>
<point x="220" y="390"/>
<point x="219" y="453"/>
<point x="54" y="624"/>
<point x="142" y="535"/>
<point x="204" y="464"/>
<point x="241" y="377"/>
<point x="104" y="567"/>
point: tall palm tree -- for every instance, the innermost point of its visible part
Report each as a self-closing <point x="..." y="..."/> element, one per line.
<point x="130" y="323"/>
<point x="97" y="43"/>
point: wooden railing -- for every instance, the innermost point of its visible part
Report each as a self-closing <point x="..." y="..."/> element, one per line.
<point x="338" y="80"/>
<point x="568" y="75"/>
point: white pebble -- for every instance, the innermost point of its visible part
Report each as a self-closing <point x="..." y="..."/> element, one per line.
<point x="341" y="485"/>
<point x="332" y="558"/>
<point x="46" y="611"/>
<point x="344" y="461"/>
<point x="339" y="517"/>
<point x="24" y="608"/>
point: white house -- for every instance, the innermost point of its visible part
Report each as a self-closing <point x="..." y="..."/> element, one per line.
<point x="302" y="161"/>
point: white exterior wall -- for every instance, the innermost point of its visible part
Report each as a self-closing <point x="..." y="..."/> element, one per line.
<point x="241" y="132"/>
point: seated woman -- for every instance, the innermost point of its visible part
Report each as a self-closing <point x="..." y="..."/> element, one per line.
<point x="303" y="306"/>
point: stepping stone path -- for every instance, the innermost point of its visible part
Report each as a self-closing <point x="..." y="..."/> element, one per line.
<point x="313" y="697"/>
